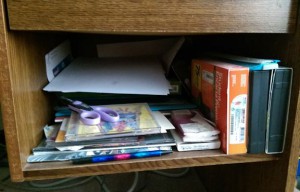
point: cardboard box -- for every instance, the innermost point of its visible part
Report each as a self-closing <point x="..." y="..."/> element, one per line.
<point x="224" y="94"/>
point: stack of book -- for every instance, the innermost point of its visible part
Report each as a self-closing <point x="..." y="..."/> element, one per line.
<point x="248" y="99"/>
<point x="193" y="131"/>
<point x="137" y="130"/>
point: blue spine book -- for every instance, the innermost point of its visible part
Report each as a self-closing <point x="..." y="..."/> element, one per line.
<point x="250" y="62"/>
<point x="278" y="109"/>
<point x="258" y="107"/>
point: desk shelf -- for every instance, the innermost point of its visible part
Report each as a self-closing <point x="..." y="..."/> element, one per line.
<point x="29" y="29"/>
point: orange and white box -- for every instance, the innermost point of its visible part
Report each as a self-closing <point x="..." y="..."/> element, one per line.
<point x="224" y="90"/>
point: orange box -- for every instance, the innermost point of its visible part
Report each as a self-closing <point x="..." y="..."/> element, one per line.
<point x="224" y="91"/>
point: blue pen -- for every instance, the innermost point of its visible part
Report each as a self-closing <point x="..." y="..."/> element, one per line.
<point x="118" y="157"/>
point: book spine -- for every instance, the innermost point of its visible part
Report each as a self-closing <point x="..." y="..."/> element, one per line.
<point x="258" y="107"/>
<point x="278" y="111"/>
<point x="199" y="139"/>
<point x="62" y="131"/>
<point x="198" y="146"/>
<point x="231" y="108"/>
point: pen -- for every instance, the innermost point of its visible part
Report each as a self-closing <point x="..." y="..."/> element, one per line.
<point x="118" y="157"/>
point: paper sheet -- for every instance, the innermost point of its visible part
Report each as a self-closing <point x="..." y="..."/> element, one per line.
<point x="163" y="122"/>
<point x="112" y="75"/>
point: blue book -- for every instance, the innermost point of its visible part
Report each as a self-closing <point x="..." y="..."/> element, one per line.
<point x="250" y="62"/>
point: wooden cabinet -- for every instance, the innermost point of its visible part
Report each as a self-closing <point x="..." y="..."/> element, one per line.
<point x="29" y="29"/>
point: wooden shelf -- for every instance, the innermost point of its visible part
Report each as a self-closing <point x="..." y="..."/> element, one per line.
<point x="154" y="17"/>
<point x="31" y="28"/>
<point x="174" y="160"/>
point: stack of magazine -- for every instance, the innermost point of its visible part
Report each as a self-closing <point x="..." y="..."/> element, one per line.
<point x="193" y="131"/>
<point x="138" y="129"/>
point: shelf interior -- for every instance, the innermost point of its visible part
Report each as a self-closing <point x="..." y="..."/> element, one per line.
<point x="28" y="77"/>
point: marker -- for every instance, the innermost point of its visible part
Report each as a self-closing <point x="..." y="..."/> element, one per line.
<point x="118" y="157"/>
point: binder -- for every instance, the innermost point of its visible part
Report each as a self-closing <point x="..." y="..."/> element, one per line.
<point x="279" y="100"/>
<point x="258" y="108"/>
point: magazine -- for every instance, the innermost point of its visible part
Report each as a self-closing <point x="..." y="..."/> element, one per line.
<point x="135" y="119"/>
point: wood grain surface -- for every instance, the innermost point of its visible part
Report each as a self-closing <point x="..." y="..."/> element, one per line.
<point x="154" y="17"/>
<point x="293" y="133"/>
<point x="8" y="112"/>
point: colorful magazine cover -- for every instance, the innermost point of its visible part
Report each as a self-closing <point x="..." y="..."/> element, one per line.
<point x="135" y="119"/>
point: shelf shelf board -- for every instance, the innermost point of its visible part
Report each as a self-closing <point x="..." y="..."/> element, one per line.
<point x="178" y="17"/>
<point x="175" y="160"/>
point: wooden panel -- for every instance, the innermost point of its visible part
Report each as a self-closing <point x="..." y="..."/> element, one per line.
<point x="28" y="76"/>
<point x="8" y="116"/>
<point x="293" y="133"/>
<point x="25" y="107"/>
<point x="153" y="17"/>
<point x="175" y="160"/>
